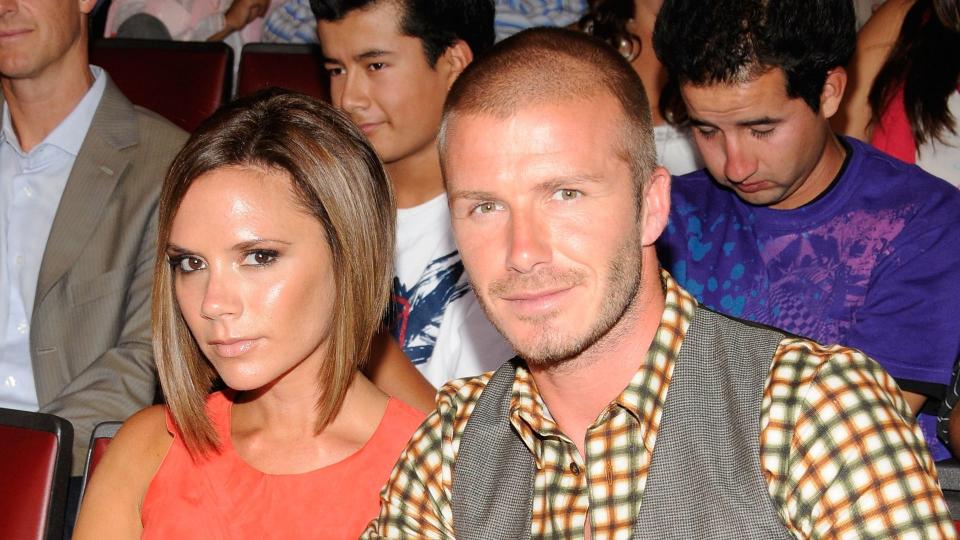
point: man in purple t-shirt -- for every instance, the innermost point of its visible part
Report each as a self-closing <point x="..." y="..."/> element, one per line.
<point x="791" y="225"/>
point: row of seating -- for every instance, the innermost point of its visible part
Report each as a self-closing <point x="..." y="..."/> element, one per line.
<point x="35" y="472"/>
<point x="186" y="81"/>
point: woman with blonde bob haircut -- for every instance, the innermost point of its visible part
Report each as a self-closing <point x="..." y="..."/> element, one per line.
<point x="273" y="271"/>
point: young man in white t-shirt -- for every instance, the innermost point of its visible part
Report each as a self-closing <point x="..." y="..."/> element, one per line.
<point x="391" y="63"/>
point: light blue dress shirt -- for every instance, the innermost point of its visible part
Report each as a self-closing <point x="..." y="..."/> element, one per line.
<point x="31" y="184"/>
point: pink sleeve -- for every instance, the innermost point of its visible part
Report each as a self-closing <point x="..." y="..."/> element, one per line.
<point x="892" y="133"/>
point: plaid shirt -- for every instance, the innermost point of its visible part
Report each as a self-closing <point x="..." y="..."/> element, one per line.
<point x="838" y="448"/>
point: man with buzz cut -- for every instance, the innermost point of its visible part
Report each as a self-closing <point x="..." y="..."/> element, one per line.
<point x="391" y="63"/>
<point x="630" y="411"/>
<point x="791" y="225"/>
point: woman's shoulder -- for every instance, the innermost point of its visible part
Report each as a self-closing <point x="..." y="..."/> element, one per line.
<point x="149" y="420"/>
<point x="115" y="493"/>
<point x="398" y="411"/>
<point x="144" y="439"/>
<point x="399" y="421"/>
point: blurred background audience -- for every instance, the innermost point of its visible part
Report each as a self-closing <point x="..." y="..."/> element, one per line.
<point x="904" y="95"/>
<point x="627" y="25"/>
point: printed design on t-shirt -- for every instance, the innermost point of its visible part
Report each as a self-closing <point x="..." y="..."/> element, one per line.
<point x="808" y="283"/>
<point x="417" y="311"/>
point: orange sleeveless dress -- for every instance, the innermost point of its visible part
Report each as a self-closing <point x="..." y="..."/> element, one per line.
<point x="220" y="496"/>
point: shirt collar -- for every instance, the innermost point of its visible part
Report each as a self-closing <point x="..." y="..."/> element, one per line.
<point x="69" y="134"/>
<point x="531" y="418"/>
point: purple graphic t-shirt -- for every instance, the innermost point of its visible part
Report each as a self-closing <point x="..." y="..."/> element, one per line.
<point x="873" y="264"/>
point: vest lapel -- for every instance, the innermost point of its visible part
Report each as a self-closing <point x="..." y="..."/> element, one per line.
<point x="494" y="472"/>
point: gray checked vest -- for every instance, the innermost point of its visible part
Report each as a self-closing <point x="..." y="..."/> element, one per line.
<point x="704" y="481"/>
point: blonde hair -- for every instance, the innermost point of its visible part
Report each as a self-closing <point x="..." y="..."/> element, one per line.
<point x="337" y="178"/>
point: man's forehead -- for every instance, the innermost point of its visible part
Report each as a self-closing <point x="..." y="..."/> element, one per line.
<point x="761" y="96"/>
<point x="532" y="133"/>
<point x="577" y="113"/>
<point x="748" y="80"/>
<point x="559" y="139"/>
<point x="372" y="27"/>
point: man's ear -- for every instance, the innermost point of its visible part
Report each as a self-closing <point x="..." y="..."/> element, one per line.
<point x="832" y="93"/>
<point x="656" y="205"/>
<point x="456" y="59"/>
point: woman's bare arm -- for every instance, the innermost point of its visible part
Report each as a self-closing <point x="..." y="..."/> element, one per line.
<point x="114" y="495"/>
<point x="874" y="43"/>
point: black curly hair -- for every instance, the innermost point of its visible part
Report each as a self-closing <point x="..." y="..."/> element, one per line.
<point x="704" y="42"/>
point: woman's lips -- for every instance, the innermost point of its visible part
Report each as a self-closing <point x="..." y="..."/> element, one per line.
<point x="234" y="348"/>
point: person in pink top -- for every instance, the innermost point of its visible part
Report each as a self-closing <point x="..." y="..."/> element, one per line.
<point x="272" y="276"/>
<point x="904" y="95"/>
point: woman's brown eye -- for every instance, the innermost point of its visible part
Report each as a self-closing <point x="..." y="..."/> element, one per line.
<point x="260" y="258"/>
<point x="188" y="264"/>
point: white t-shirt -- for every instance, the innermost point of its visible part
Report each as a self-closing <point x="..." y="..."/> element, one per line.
<point x="676" y="150"/>
<point x="435" y="315"/>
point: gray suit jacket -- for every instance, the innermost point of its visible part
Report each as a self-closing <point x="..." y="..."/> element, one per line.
<point x="90" y="338"/>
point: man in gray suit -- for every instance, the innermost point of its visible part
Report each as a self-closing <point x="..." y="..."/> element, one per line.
<point x="80" y="174"/>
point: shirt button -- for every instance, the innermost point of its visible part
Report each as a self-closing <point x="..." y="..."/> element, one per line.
<point x="10" y="382"/>
<point x="27" y="191"/>
<point x="574" y="468"/>
<point x="22" y="328"/>
<point x="19" y="260"/>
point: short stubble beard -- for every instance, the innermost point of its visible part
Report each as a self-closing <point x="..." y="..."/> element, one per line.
<point x="553" y="347"/>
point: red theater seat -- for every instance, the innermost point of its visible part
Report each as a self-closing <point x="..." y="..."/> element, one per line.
<point x="34" y="474"/>
<point x="297" y="67"/>
<point x="184" y="81"/>
<point x="102" y="435"/>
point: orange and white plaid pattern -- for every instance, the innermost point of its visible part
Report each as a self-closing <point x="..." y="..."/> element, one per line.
<point x="838" y="447"/>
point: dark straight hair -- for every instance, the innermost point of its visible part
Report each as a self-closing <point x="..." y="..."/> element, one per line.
<point x="925" y="63"/>
<point x="436" y="23"/>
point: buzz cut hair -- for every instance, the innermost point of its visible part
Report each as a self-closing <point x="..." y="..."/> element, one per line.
<point x="555" y="65"/>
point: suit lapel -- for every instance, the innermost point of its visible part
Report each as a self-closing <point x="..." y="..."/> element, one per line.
<point x="99" y="166"/>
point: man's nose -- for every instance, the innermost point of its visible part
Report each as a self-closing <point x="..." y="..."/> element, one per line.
<point x="529" y="242"/>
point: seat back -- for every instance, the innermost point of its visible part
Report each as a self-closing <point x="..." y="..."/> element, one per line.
<point x="34" y="474"/>
<point x="103" y="433"/>
<point x="293" y="66"/>
<point x="97" y="20"/>
<point x="183" y="81"/>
